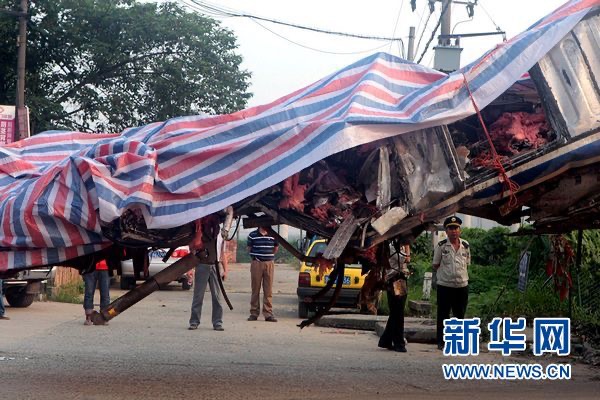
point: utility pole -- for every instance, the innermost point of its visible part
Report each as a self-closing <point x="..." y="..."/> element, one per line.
<point x="447" y="55"/>
<point x="20" y="96"/>
<point x="411" y="44"/>
<point x="446" y="22"/>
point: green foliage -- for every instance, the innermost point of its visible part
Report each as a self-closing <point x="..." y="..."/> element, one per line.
<point x="383" y="307"/>
<point x="493" y="277"/>
<point x="590" y="249"/>
<point x="488" y="247"/>
<point x="587" y="325"/>
<point x="537" y="301"/>
<point x="414" y="293"/>
<point x="484" y="279"/>
<point x="422" y="248"/>
<point x="282" y="257"/>
<point x="242" y="255"/>
<point x="69" y="293"/>
<point x="107" y="65"/>
<point x="418" y="268"/>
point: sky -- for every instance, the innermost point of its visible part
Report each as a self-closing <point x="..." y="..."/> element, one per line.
<point x="283" y="59"/>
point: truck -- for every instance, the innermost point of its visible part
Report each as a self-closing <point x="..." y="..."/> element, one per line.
<point x="21" y="289"/>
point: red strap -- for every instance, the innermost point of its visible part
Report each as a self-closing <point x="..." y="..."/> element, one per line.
<point x="496" y="162"/>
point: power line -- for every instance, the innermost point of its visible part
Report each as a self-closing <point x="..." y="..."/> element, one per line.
<point x="217" y="11"/>
<point x="423" y="31"/>
<point x="491" y="19"/>
<point x="312" y="48"/>
<point x="461" y="22"/>
<point x="421" y="16"/>
<point x="394" y="31"/>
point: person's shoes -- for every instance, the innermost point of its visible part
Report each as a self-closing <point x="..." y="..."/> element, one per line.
<point x="271" y="319"/>
<point x="440" y="346"/>
<point x="384" y="345"/>
<point x="193" y="327"/>
<point x="252" y="318"/>
<point x="4" y="317"/>
<point x="399" y="349"/>
<point x="88" y="322"/>
<point x="219" y="328"/>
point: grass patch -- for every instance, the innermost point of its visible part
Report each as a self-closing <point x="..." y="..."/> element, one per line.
<point x="69" y="293"/>
<point x="414" y="293"/>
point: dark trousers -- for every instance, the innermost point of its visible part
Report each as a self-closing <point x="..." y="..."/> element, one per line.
<point x="449" y="298"/>
<point x="90" y="279"/>
<point x="2" y="309"/>
<point x="393" y="335"/>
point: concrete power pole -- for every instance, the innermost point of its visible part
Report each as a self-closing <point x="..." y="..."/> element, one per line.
<point x="22" y="45"/>
<point x="446" y="22"/>
<point x="411" y="44"/>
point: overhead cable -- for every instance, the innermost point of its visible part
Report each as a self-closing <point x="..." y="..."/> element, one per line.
<point x="315" y="49"/>
<point x="422" y="32"/>
<point x="491" y="19"/>
<point x="217" y="11"/>
<point x="394" y="31"/>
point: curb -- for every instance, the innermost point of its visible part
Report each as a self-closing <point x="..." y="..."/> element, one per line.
<point x="416" y="330"/>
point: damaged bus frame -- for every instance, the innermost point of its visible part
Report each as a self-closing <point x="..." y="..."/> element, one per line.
<point x="540" y="159"/>
<point x="540" y="162"/>
<point x="417" y="178"/>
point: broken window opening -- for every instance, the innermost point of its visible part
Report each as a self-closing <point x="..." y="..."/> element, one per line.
<point x="518" y="128"/>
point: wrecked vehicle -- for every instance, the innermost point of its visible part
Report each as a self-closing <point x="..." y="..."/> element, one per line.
<point x="367" y="157"/>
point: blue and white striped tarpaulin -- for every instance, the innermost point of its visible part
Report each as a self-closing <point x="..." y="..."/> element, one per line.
<point x="58" y="186"/>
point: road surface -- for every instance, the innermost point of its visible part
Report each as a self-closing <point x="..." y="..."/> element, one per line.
<point x="148" y="353"/>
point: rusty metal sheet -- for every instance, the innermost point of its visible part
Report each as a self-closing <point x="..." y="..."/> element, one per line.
<point x="342" y="236"/>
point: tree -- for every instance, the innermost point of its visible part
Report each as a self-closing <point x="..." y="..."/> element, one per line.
<point x="104" y="65"/>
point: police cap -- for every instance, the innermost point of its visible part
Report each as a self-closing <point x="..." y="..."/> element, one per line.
<point x="452" y="221"/>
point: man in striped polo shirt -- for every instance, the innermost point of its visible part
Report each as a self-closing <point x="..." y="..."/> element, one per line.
<point x="262" y="248"/>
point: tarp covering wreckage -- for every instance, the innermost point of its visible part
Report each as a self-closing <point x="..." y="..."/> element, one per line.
<point x="58" y="188"/>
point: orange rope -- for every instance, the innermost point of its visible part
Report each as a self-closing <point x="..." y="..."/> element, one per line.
<point x="495" y="161"/>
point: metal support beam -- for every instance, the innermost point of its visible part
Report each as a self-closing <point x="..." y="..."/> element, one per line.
<point x="130" y="298"/>
<point x="255" y="222"/>
<point x="289" y="247"/>
<point x="475" y="34"/>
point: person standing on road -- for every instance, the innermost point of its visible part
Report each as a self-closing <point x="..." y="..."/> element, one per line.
<point x="209" y="244"/>
<point x="397" y="291"/>
<point x="98" y="277"/>
<point x="262" y="248"/>
<point x="451" y="257"/>
<point x="2" y="309"/>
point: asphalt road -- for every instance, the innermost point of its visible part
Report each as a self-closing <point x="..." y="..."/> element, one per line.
<point x="148" y="353"/>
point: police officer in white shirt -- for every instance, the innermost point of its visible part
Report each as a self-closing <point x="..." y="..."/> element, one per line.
<point x="451" y="257"/>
